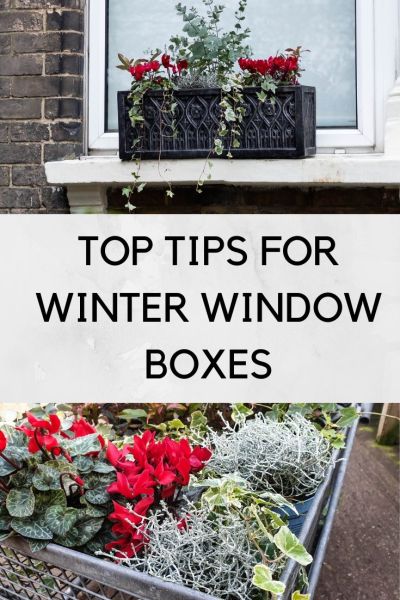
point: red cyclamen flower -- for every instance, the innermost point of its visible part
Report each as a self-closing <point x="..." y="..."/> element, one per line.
<point x="3" y="442"/>
<point x="81" y="428"/>
<point x="182" y="65"/>
<point x="166" y="61"/>
<point x="41" y="432"/>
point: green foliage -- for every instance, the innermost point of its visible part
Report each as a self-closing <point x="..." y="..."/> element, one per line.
<point x="60" y="520"/>
<point x="266" y="530"/>
<point x="298" y="596"/>
<point x="32" y="529"/>
<point x="207" y="47"/>
<point x="61" y="497"/>
<point x="348" y="416"/>
<point x="240" y="412"/>
<point x="263" y="579"/>
<point x="21" y="502"/>
<point x="289" y="544"/>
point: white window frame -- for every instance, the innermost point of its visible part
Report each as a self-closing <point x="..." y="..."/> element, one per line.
<point x="377" y="29"/>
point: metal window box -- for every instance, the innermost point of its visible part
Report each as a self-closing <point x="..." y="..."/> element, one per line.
<point x="284" y="128"/>
<point x="62" y="574"/>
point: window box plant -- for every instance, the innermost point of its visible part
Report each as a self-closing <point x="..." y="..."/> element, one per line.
<point x="66" y="488"/>
<point x="280" y="128"/>
<point x="204" y="97"/>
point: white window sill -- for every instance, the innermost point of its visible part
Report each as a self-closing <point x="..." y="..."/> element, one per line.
<point x="323" y="170"/>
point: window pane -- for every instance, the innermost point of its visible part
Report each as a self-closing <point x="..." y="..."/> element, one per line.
<point x="325" y="27"/>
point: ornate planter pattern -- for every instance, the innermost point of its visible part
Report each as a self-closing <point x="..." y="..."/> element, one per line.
<point x="283" y="128"/>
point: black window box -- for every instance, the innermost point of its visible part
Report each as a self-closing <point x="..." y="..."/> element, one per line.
<point x="284" y="128"/>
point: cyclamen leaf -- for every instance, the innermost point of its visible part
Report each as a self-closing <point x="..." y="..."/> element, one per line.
<point x="97" y="496"/>
<point x="263" y="579"/>
<point x="46" y="478"/>
<point x="60" y="520"/>
<point x="103" y="468"/>
<point x="21" y="502"/>
<point x="291" y="546"/>
<point x="50" y="498"/>
<point x="81" y="534"/>
<point x="22" y="478"/>
<point x="92" y="512"/>
<point x="5" y="523"/>
<point x="83" y="445"/>
<point x="37" y="545"/>
<point x="36" y="530"/>
<point x="5" y="468"/>
<point x="83" y="463"/>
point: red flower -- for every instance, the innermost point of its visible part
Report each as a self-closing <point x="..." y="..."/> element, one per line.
<point x="139" y="71"/>
<point x="3" y="442"/>
<point x="154" y="65"/>
<point x="40" y="437"/>
<point x="81" y="428"/>
<point x="166" y="61"/>
<point x="130" y="525"/>
<point x="198" y="458"/>
<point x="147" y="470"/>
<point x="282" y="68"/>
<point x="122" y="487"/>
<point x="182" y="65"/>
<point x="78" y="480"/>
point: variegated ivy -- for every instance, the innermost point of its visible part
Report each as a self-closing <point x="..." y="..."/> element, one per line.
<point x="53" y="481"/>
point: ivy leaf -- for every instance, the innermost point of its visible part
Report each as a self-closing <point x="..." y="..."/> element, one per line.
<point x="348" y="416"/>
<point x="291" y="546"/>
<point x="36" y="530"/>
<point x="198" y="421"/>
<point x="278" y="500"/>
<point x="175" y="424"/>
<point x="83" y="445"/>
<point x="263" y="579"/>
<point x="133" y="413"/>
<point x="60" y="520"/>
<point x="21" y="502"/>
<point x="298" y="596"/>
<point x="240" y="413"/>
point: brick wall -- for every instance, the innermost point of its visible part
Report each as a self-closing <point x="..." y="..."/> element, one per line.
<point x="41" y="81"/>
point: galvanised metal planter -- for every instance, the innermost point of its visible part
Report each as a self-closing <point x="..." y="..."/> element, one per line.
<point x="58" y="573"/>
<point x="283" y="128"/>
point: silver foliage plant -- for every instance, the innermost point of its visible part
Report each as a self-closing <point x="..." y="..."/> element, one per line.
<point x="290" y="457"/>
<point x="212" y="553"/>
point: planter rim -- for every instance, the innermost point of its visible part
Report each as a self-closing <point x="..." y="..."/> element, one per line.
<point x="209" y="91"/>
